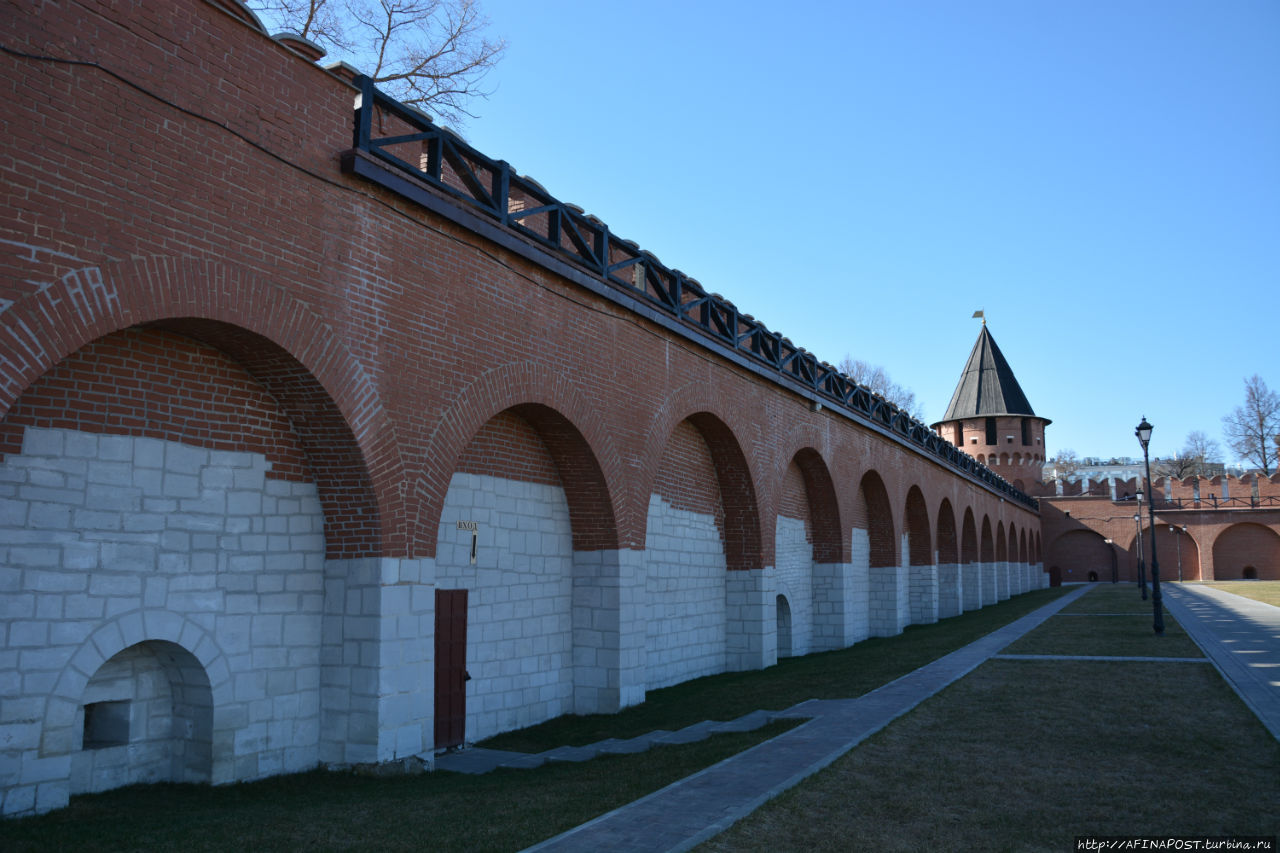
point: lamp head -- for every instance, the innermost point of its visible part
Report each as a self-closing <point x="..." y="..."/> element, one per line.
<point x="1143" y="432"/>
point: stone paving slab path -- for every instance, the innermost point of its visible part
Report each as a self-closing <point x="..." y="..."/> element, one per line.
<point x="1242" y="638"/>
<point x="690" y="811"/>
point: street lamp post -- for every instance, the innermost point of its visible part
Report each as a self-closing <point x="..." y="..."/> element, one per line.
<point x="1142" y="576"/>
<point x="1142" y="573"/>
<point x="1143" y="432"/>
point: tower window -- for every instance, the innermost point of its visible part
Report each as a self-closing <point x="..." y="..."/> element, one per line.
<point x="991" y="431"/>
<point x="1026" y="431"/>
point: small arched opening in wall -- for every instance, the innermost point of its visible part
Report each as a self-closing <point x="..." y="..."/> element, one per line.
<point x="1241" y="546"/>
<point x="1249" y="573"/>
<point x="146" y="715"/>
<point x="784" y="627"/>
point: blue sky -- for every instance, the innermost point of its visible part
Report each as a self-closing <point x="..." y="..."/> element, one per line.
<point x="1102" y="177"/>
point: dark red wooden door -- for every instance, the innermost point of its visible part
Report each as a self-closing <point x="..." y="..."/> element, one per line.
<point x="451" y="667"/>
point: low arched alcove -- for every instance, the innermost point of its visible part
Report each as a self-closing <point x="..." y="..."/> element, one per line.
<point x="146" y="715"/>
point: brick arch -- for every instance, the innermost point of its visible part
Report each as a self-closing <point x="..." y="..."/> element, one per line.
<point x="1079" y="552"/>
<point x="113" y="637"/>
<point x="1002" y="544"/>
<point x="879" y="517"/>
<point x="572" y="430"/>
<point x="1023" y="555"/>
<point x="987" y="547"/>
<point x="745" y="546"/>
<point x="824" y="511"/>
<point x="282" y="342"/>
<point x="1037" y="556"/>
<point x="1238" y="546"/>
<point x="919" y="541"/>
<point x="969" y="540"/>
<point x="948" y="541"/>
<point x="1012" y="551"/>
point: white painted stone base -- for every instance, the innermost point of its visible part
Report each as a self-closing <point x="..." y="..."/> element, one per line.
<point x="751" y="620"/>
<point x="609" y="654"/>
<point x="950" y="590"/>
<point x="685" y="586"/>
<point x="923" y="582"/>
<point x="888" y="605"/>
<point x="971" y="581"/>
<point x="840" y="605"/>
<point x="794" y="579"/>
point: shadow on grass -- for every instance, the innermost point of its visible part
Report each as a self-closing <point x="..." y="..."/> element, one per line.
<point x="502" y="810"/>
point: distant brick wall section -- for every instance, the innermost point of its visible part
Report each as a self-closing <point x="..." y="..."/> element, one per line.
<point x="1244" y="546"/>
<point x="152" y="383"/>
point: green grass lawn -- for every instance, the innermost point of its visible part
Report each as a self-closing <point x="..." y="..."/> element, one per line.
<point x="1027" y="754"/>
<point x="1108" y="618"/>
<point x="1268" y="592"/>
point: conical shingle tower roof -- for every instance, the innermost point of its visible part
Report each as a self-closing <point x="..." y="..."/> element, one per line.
<point x="987" y="386"/>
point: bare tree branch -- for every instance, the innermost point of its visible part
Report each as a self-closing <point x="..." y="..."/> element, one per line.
<point x="430" y="53"/>
<point x="1200" y="456"/>
<point x="1251" y="428"/>
<point x="875" y="377"/>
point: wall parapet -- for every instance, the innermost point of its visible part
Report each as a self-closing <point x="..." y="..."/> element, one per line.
<point x="413" y="151"/>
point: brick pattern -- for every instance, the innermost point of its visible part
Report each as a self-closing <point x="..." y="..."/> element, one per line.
<point x="948" y="543"/>
<point x="687" y="477"/>
<point x="874" y="501"/>
<point x="1240" y="547"/>
<point x="919" y="548"/>
<point x="509" y="448"/>
<point x="154" y="383"/>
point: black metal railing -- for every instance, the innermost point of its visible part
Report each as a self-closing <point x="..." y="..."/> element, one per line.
<point x="1215" y="502"/>
<point x="411" y="143"/>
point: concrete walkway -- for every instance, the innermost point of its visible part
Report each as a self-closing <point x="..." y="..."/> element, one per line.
<point x="700" y="806"/>
<point x="1242" y="638"/>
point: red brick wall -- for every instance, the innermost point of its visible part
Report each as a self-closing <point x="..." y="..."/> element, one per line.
<point x="193" y="178"/>
<point x="1244" y="545"/>
<point x="687" y="477"/>
<point x="875" y="504"/>
<point x="793" y="499"/>
<point x="508" y="447"/>
<point x="919" y="538"/>
<point x="152" y="383"/>
<point x="948" y="541"/>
